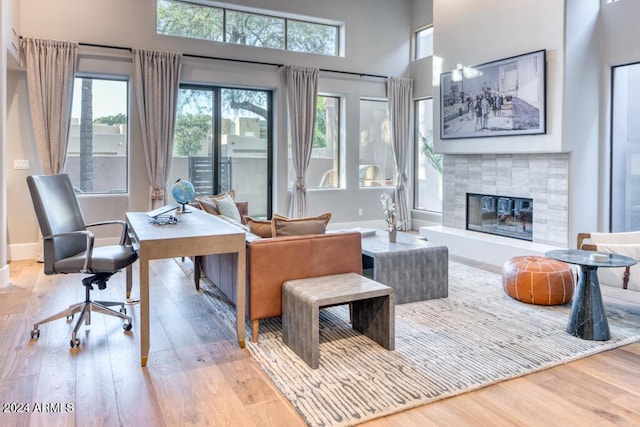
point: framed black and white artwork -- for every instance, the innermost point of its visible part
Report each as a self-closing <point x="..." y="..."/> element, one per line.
<point x="499" y="98"/>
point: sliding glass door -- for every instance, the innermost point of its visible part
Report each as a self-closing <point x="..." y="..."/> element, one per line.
<point x="223" y="142"/>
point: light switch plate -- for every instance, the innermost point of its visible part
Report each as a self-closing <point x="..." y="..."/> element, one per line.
<point x="21" y="164"/>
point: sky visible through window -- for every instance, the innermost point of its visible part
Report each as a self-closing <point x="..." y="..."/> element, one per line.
<point x="109" y="95"/>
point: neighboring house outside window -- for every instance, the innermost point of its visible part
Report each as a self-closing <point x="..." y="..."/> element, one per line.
<point x="98" y="146"/>
<point x="222" y="142"/>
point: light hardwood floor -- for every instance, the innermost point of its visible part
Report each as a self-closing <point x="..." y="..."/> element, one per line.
<point x="197" y="374"/>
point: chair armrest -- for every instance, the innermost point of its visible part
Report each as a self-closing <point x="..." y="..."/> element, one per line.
<point x="585" y="246"/>
<point x="125" y="228"/>
<point x="90" y="237"/>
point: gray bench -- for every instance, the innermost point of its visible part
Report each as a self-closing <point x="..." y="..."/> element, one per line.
<point x="373" y="311"/>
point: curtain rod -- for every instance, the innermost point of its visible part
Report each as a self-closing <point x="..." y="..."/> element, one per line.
<point x="245" y="61"/>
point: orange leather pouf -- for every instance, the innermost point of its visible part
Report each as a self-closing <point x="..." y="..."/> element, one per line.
<point x="538" y="280"/>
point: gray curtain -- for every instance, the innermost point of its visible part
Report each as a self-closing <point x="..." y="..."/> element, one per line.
<point x="156" y="77"/>
<point x="51" y="67"/>
<point x="302" y="91"/>
<point x="399" y="92"/>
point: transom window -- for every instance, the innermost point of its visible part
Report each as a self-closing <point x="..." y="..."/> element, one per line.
<point x="200" y="21"/>
<point x="424" y="43"/>
<point x="97" y="149"/>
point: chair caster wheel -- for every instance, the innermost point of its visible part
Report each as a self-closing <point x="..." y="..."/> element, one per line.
<point x="127" y="326"/>
<point x="123" y="310"/>
<point x="75" y="342"/>
<point x="35" y="333"/>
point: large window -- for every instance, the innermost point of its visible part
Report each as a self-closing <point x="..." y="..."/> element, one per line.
<point x="200" y="21"/>
<point x="428" y="189"/>
<point x="97" y="151"/>
<point x="324" y="165"/>
<point x="625" y="149"/>
<point x="376" y="155"/>
<point x="222" y="142"/>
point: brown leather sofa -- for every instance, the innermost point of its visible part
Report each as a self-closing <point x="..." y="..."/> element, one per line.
<point x="272" y="261"/>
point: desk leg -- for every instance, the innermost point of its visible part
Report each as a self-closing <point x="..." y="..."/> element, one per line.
<point x="241" y="287"/>
<point x="588" y="319"/>
<point x="129" y="275"/>
<point x="144" y="311"/>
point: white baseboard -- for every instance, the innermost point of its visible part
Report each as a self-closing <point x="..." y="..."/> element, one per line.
<point x="482" y="247"/>
<point x="23" y="251"/>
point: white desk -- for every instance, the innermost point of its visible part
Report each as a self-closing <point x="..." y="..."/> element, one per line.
<point x="197" y="233"/>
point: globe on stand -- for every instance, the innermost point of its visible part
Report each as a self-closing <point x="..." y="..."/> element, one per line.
<point x="183" y="191"/>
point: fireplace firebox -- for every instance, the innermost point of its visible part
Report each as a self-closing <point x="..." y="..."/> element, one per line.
<point x="500" y="215"/>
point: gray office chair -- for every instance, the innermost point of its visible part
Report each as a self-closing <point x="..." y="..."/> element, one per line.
<point x="68" y="248"/>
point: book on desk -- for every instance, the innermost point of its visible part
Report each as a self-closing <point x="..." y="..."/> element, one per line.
<point x="163" y="215"/>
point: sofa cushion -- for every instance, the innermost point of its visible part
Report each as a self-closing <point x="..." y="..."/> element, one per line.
<point x="282" y="226"/>
<point x="208" y="203"/>
<point x="227" y="207"/>
<point x="259" y="227"/>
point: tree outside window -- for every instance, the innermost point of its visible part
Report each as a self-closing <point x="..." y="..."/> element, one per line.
<point x="199" y="21"/>
<point x="97" y="150"/>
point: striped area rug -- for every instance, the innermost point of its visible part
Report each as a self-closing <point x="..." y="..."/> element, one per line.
<point x="476" y="337"/>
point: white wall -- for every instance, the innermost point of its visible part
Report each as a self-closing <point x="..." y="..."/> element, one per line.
<point x="582" y="108"/>
<point x="470" y="32"/>
<point x="579" y="50"/>
<point x="370" y="48"/>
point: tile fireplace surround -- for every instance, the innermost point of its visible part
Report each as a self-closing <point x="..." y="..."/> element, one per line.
<point x="541" y="177"/>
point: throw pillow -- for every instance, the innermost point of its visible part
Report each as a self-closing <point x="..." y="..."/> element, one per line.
<point x="208" y="203"/>
<point x="227" y="207"/>
<point x="259" y="227"/>
<point x="282" y="226"/>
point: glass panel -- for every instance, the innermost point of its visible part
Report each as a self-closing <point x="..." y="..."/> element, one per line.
<point x="97" y="151"/>
<point x="244" y="142"/>
<point x="312" y="38"/>
<point x="376" y="157"/>
<point x="192" y="143"/>
<point x="189" y="20"/>
<point x="254" y="30"/>
<point x="199" y="21"/>
<point x="323" y="170"/>
<point x="503" y="216"/>
<point x="625" y="149"/>
<point x="429" y="164"/>
<point x="424" y="43"/>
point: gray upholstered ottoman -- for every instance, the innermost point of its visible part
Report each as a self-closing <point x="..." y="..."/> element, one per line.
<point x="373" y="311"/>
<point x="416" y="269"/>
